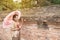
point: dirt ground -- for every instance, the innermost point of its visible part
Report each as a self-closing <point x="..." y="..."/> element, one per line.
<point x="32" y="32"/>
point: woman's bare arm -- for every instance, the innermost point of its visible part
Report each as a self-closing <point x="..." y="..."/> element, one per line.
<point x="21" y="23"/>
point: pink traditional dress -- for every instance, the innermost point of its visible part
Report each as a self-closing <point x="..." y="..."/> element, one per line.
<point x="8" y="23"/>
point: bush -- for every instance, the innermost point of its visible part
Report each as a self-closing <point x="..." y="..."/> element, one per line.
<point x="55" y="1"/>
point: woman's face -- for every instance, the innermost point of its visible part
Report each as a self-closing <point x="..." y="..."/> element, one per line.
<point x="16" y="18"/>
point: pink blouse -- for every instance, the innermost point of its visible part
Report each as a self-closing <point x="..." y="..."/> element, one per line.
<point x="8" y="19"/>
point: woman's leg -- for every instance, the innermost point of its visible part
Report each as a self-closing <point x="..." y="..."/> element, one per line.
<point x="15" y="35"/>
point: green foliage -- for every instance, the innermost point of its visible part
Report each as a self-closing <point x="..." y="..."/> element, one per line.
<point x="26" y="4"/>
<point x="8" y="5"/>
<point x="43" y="2"/>
<point x="55" y="1"/>
<point x="34" y="3"/>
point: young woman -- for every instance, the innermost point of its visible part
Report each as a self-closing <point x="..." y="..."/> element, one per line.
<point x="11" y="25"/>
<point x="16" y="28"/>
